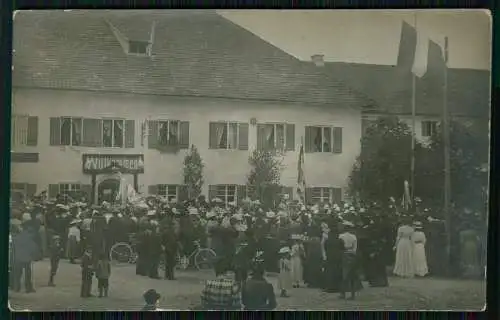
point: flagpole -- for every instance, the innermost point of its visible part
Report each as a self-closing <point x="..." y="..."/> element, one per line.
<point x="446" y="140"/>
<point x="413" y="111"/>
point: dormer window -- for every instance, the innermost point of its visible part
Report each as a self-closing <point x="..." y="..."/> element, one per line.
<point x="138" y="47"/>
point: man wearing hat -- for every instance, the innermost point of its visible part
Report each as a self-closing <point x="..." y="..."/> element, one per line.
<point x="349" y="275"/>
<point x="152" y="298"/>
<point x="257" y="294"/>
<point x="24" y="249"/>
<point x="169" y="245"/>
<point x="56" y="252"/>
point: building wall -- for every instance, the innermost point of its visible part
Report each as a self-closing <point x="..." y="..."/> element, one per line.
<point x="64" y="164"/>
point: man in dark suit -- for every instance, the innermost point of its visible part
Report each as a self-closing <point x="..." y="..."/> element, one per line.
<point x="257" y="293"/>
<point x="24" y="250"/>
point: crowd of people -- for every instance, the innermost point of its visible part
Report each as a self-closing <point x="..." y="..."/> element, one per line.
<point x="325" y="246"/>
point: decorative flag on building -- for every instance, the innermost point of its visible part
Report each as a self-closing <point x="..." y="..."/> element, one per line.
<point x="301" y="180"/>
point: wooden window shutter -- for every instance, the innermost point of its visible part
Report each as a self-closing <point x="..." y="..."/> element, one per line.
<point x="92" y="132"/>
<point x="336" y="195"/>
<point x="212" y="135"/>
<point x="261" y="130"/>
<point x="337" y="140"/>
<point x="30" y="190"/>
<point x="182" y="193"/>
<point x="129" y="133"/>
<point x="212" y="192"/>
<point x="53" y="190"/>
<point x="55" y="131"/>
<point x="32" y="138"/>
<point x="87" y="191"/>
<point x="308" y="143"/>
<point x="289" y="191"/>
<point x="241" y="193"/>
<point x="243" y="136"/>
<point x="153" y="189"/>
<point x="290" y="137"/>
<point x="152" y="134"/>
<point x="184" y="135"/>
<point x="309" y="196"/>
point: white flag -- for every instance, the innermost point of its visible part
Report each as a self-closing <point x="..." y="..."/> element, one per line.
<point x="419" y="67"/>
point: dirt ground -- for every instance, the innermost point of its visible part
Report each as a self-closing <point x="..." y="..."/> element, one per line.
<point x="126" y="291"/>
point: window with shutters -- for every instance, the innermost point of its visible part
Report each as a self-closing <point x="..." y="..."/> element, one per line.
<point x="21" y="191"/>
<point x="323" y="139"/>
<point x="24" y="130"/>
<point x="326" y="195"/>
<point x="113" y="133"/>
<point x="429" y="128"/>
<point x="168" y="132"/>
<point x="226" y="192"/>
<point x="276" y="136"/>
<point x="70" y="189"/>
<point x="170" y="191"/>
<point x="228" y="135"/>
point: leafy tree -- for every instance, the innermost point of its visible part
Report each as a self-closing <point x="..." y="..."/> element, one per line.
<point x="384" y="162"/>
<point x="193" y="173"/>
<point x="469" y="146"/>
<point x="264" y="177"/>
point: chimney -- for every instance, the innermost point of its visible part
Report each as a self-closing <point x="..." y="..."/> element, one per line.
<point x="318" y="60"/>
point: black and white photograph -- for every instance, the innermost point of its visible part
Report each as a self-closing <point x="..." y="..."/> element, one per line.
<point x="295" y="160"/>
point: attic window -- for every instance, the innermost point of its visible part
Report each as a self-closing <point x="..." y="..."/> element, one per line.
<point x="138" y="47"/>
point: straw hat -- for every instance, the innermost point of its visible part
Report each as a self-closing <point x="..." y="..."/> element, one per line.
<point x="193" y="211"/>
<point x="151" y="213"/>
<point x="284" y="250"/>
<point x="296" y="237"/>
<point x="270" y="214"/>
<point x="417" y="225"/>
<point x="211" y="214"/>
<point x="347" y="223"/>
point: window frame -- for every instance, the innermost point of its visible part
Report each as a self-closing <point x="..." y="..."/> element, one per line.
<point x="71" y="119"/>
<point x="15" y="187"/>
<point x="226" y="195"/>
<point x="14" y="118"/>
<point x="136" y="43"/>
<point x="158" y="133"/>
<point x="313" y="146"/>
<point x="275" y="124"/>
<point x="167" y="193"/>
<point x="112" y="132"/>
<point x="228" y="123"/>
<point x="72" y="188"/>
<point x="430" y="125"/>
<point x="322" y="197"/>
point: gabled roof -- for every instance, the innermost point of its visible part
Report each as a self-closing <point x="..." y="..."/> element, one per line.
<point x="391" y="88"/>
<point x="195" y="53"/>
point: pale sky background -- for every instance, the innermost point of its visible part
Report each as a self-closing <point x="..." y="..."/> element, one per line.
<point x="370" y="36"/>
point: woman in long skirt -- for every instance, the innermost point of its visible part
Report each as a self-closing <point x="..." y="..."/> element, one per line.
<point x="285" y="276"/>
<point x="419" y="257"/>
<point x="404" y="266"/>
<point x="297" y="256"/>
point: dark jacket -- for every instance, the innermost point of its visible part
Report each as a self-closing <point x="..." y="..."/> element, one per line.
<point x="24" y="247"/>
<point x="258" y="294"/>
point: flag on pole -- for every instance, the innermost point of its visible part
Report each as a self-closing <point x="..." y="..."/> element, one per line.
<point x="301" y="180"/>
<point x="427" y="54"/>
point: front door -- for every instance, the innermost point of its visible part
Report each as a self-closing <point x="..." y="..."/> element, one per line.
<point x="108" y="190"/>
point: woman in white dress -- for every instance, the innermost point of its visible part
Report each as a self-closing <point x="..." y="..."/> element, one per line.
<point x="404" y="266"/>
<point x="297" y="255"/>
<point x="419" y="257"/>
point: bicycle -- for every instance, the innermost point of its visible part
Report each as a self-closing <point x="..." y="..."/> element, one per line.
<point x="203" y="258"/>
<point x="124" y="252"/>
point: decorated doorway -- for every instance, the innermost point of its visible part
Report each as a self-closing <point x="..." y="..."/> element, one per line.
<point x="108" y="191"/>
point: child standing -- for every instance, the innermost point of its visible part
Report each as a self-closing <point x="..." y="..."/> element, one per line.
<point x="285" y="276"/>
<point x="102" y="274"/>
<point x="87" y="272"/>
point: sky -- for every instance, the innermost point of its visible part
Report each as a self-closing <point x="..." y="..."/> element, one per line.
<point x="370" y="36"/>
